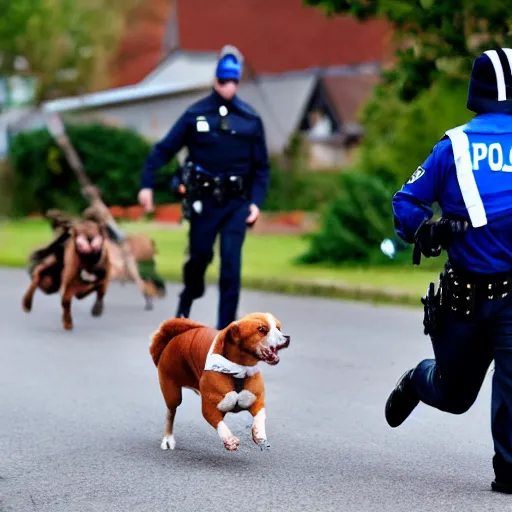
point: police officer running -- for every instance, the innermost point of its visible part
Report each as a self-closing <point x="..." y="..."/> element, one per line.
<point x="469" y="318"/>
<point x="224" y="182"/>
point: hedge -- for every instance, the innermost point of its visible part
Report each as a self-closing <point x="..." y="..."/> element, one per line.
<point x="113" y="158"/>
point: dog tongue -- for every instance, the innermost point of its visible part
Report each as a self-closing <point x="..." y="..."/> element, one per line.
<point x="273" y="358"/>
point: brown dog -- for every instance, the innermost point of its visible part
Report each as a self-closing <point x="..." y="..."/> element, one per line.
<point x="77" y="267"/>
<point x="123" y="255"/>
<point x="220" y="366"/>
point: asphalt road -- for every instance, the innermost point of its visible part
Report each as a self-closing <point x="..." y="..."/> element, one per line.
<point x="81" y="416"/>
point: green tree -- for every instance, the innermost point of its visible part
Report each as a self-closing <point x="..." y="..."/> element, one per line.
<point x="354" y="223"/>
<point x="434" y="37"/>
<point x="66" y="44"/>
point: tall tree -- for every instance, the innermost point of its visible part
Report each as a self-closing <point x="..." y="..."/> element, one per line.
<point x="66" y="44"/>
<point x="433" y="36"/>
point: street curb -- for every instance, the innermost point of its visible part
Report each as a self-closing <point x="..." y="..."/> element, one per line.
<point x="333" y="291"/>
<point x="305" y="288"/>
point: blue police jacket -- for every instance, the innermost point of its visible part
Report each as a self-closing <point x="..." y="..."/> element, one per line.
<point x="240" y="149"/>
<point x="473" y="185"/>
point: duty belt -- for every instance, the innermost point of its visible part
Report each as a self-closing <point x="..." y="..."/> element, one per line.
<point x="208" y="184"/>
<point x="220" y="187"/>
<point x="460" y="289"/>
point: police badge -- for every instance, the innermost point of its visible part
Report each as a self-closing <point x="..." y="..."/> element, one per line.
<point x="416" y="175"/>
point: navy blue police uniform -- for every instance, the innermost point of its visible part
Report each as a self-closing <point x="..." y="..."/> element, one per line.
<point x="469" y="317"/>
<point x="227" y="154"/>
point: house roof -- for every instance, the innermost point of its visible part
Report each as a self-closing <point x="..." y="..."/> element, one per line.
<point x="121" y="95"/>
<point x="140" y="50"/>
<point x="280" y="101"/>
<point x="349" y="92"/>
<point x="274" y="36"/>
<point x="278" y="36"/>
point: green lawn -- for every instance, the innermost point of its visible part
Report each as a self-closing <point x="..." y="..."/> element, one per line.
<point x="267" y="262"/>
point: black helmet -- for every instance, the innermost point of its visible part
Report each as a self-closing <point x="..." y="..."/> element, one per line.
<point x="490" y="85"/>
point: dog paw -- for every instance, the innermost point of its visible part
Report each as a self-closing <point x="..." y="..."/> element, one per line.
<point x="168" y="443"/>
<point x="68" y="326"/>
<point x="27" y="305"/>
<point x="262" y="443"/>
<point x="231" y="443"/>
<point x="97" y="309"/>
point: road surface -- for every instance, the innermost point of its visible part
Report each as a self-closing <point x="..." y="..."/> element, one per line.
<point x="81" y="416"/>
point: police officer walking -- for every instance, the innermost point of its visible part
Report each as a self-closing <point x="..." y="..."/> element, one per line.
<point x="469" y="319"/>
<point x="224" y="182"/>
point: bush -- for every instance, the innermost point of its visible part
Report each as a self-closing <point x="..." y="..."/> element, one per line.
<point x="400" y="136"/>
<point x="300" y="189"/>
<point x="354" y="223"/>
<point x="113" y="159"/>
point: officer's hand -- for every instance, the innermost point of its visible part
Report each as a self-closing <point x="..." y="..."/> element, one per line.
<point x="436" y="236"/>
<point x="146" y="199"/>
<point x="182" y="190"/>
<point x="445" y="230"/>
<point x="254" y="213"/>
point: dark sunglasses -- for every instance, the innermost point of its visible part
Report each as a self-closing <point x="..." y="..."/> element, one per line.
<point x="224" y="81"/>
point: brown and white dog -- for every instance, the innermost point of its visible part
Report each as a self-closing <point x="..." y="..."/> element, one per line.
<point x="123" y="255"/>
<point x="81" y="268"/>
<point x="220" y="366"/>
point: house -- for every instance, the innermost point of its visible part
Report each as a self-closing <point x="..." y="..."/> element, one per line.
<point x="303" y="72"/>
<point x="274" y="36"/>
<point x="323" y="107"/>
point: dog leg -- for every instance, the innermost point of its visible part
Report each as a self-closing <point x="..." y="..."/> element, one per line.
<point x="149" y="301"/>
<point x="168" y="442"/>
<point x="133" y="272"/>
<point x="29" y="294"/>
<point x="173" y="397"/>
<point x="97" y="309"/>
<point x="67" y="289"/>
<point x="256" y="386"/>
<point x="216" y="419"/>
<point x="36" y="276"/>
<point x="85" y="293"/>
<point x="259" y="435"/>
<point x="67" y="320"/>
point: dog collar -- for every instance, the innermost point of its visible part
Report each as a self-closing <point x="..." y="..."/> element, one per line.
<point x="218" y="363"/>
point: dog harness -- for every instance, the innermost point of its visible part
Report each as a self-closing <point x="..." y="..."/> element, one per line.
<point x="218" y="363"/>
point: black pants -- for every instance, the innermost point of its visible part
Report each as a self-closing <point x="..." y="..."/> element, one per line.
<point x="229" y="220"/>
<point x="464" y="350"/>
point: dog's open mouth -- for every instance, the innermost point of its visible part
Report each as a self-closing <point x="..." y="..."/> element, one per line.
<point x="270" y="354"/>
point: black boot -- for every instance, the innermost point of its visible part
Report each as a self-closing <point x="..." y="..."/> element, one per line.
<point x="402" y="400"/>
<point x="184" y="306"/>
<point x="499" y="486"/>
<point x="502" y="474"/>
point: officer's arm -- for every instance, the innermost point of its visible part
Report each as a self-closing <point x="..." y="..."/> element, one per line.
<point x="412" y="205"/>
<point x="261" y="168"/>
<point x="164" y="151"/>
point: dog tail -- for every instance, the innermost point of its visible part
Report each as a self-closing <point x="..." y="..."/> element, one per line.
<point x="166" y="332"/>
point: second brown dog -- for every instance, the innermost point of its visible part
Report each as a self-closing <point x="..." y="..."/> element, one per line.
<point x="76" y="268"/>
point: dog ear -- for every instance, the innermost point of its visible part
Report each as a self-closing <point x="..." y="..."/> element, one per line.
<point x="233" y="333"/>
